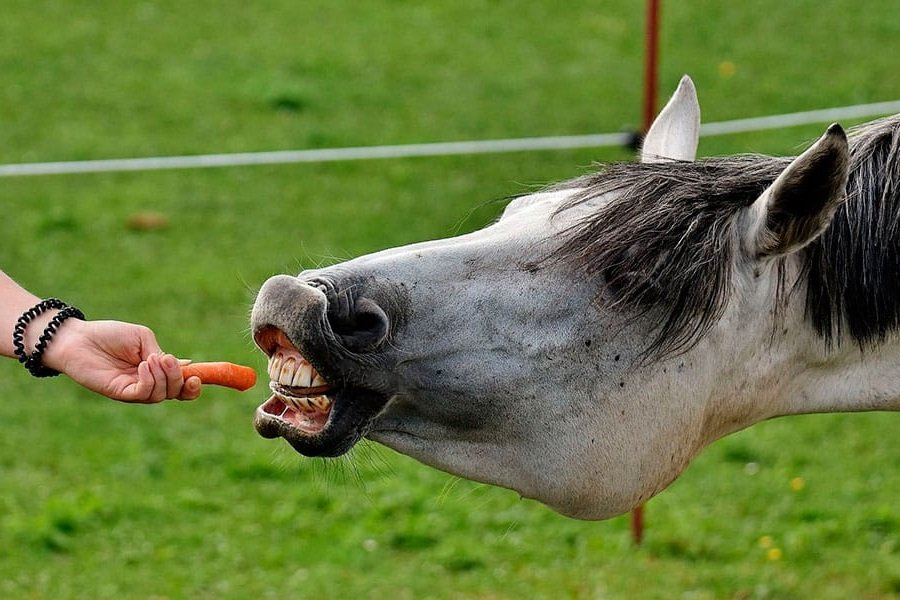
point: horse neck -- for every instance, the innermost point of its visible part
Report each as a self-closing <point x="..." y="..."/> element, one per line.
<point x="785" y="367"/>
<point x="844" y="378"/>
<point x="850" y="380"/>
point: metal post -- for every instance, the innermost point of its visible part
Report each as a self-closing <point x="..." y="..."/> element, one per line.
<point x="651" y="53"/>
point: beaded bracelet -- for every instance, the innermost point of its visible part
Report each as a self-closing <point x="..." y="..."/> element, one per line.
<point x="26" y="318"/>
<point x="33" y="362"/>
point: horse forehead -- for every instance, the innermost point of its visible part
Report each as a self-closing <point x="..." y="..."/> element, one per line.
<point x="527" y="224"/>
<point x="531" y="218"/>
<point x="538" y="203"/>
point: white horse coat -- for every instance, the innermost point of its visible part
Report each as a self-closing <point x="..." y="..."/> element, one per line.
<point x="586" y="346"/>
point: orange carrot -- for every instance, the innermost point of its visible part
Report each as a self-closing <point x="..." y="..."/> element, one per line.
<point x="221" y="373"/>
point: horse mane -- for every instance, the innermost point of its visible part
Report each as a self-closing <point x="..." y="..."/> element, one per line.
<point x="665" y="242"/>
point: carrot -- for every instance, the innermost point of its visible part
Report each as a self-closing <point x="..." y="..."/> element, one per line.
<point x="221" y="373"/>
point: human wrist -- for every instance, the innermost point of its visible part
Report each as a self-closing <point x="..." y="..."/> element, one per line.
<point x="64" y="344"/>
<point x="35" y="329"/>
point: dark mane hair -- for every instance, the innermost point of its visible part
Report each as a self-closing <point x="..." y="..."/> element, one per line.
<point x="665" y="242"/>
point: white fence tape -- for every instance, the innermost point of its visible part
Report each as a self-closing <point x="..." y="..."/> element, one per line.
<point x="434" y="149"/>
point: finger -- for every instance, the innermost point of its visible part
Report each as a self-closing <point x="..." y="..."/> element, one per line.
<point x="191" y="389"/>
<point x="174" y="378"/>
<point x="141" y="390"/>
<point x="158" y="393"/>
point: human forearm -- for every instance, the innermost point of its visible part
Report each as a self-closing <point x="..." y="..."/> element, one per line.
<point x="15" y="300"/>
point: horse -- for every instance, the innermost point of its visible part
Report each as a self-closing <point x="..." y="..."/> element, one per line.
<point x="587" y="345"/>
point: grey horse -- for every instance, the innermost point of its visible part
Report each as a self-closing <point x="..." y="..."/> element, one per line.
<point x="583" y="348"/>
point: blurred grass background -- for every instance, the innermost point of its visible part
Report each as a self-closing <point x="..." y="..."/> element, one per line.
<point x="104" y="500"/>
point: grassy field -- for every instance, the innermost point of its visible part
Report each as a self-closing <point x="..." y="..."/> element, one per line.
<point x="183" y="500"/>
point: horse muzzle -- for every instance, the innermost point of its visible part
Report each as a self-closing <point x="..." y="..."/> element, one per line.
<point x="322" y="402"/>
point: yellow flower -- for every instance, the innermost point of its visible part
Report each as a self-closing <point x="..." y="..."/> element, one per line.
<point x="797" y="484"/>
<point x="774" y="554"/>
<point x="727" y="69"/>
<point x="765" y="541"/>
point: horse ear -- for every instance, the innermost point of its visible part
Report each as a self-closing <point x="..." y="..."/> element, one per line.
<point x="675" y="132"/>
<point x="801" y="202"/>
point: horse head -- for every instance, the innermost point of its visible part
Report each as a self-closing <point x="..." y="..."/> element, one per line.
<point x="583" y="348"/>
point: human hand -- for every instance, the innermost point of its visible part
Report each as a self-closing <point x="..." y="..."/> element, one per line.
<point x="119" y="360"/>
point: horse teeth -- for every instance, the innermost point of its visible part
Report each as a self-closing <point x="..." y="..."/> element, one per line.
<point x="286" y="373"/>
<point x="297" y="377"/>
<point x="294" y="371"/>
<point x="275" y="366"/>
<point x="321" y="402"/>
<point x="303" y="404"/>
<point x="303" y="376"/>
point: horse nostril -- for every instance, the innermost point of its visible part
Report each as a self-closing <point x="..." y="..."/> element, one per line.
<point x="363" y="327"/>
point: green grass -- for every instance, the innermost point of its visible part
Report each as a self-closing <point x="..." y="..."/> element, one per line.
<point x="183" y="500"/>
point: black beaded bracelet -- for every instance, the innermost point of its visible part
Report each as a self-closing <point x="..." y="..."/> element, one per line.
<point x="26" y="318"/>
<point x="33" y="362"/>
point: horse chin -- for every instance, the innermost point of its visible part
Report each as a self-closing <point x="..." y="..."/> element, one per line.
<point x="327" y="425"/>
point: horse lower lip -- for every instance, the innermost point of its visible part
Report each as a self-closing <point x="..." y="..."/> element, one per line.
<point x="326" y="443"/>
<point x="349" y="415"/>
<point x="302" y="416"/>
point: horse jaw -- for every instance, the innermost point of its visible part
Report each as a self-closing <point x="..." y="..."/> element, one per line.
<point x="675" y="132"/>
